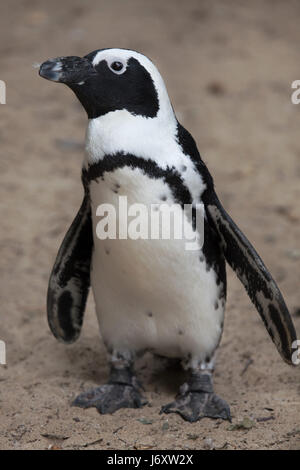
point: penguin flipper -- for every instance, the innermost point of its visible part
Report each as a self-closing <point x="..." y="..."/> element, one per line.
<point x="70" y="278"/>
<point x="258" y="282"/>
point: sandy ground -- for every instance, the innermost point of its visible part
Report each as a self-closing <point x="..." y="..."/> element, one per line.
<point x="228" y="67"/>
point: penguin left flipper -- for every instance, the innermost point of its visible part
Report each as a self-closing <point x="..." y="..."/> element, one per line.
<point x="70" y="278"/>
<point x="258" y="282"/>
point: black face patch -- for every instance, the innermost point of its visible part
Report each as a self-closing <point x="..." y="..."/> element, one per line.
<point x="107" y="91"/>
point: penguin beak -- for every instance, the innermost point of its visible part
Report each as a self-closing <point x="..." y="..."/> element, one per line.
<point x="68" y="70"/>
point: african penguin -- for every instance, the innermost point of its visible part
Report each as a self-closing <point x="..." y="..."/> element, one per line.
<point x="150" y="295"/>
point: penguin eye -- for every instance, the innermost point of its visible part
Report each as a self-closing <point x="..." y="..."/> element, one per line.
<point x="117" y="67"/>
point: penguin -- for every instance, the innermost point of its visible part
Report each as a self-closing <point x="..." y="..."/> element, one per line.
<point x="150" y="295"/>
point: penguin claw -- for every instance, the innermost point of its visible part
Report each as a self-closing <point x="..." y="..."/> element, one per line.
<point x="110" y="398"/>
<point x="193" y="406"/>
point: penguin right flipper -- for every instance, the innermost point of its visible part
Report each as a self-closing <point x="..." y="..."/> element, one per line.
<point x="257" y="280"/>
<point x="70" y="278"/>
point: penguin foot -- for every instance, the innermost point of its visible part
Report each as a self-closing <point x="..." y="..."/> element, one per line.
<point x="197" y="400"/>
<point x="121" y="391"/>
<point x="193" y="406"/>
<point x="110" y="398"/>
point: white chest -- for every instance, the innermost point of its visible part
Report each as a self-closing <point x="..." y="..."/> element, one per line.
<point x="151" y="294"/>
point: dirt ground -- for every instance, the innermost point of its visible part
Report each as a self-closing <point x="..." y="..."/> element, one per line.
<point x="228" y="68"/>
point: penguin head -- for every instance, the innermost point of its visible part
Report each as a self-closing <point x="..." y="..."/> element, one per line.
<point x="107" y="80"/>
